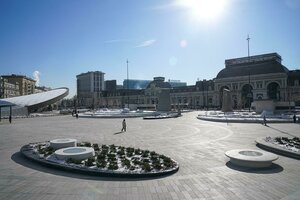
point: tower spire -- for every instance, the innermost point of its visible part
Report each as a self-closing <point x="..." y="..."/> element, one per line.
<point x="248" y="38"/>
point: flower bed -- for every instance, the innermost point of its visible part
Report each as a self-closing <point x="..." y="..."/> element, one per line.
<point x="109" y="160"/>
<point x="291" y="144"/>
<point x="282" y="145"/>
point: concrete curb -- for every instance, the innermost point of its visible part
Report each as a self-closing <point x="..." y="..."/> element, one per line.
<point x="224" y="120"/>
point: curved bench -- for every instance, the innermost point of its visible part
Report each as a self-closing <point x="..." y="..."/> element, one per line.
<point x="63" y="143"/>
<point x="76" y="153"/>
<point x="251" y="158"/>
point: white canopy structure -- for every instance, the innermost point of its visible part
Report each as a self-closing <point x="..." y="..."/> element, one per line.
<point x="35" y="101"/>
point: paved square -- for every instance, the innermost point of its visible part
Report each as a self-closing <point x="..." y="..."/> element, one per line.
<point x="198" y="146"/>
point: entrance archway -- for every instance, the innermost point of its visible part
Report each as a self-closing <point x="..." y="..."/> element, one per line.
<point x="247" y="96"/>
<point x="273" y="91"/>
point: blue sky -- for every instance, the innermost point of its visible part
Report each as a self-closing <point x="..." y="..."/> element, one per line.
<point x="63" y="38"/>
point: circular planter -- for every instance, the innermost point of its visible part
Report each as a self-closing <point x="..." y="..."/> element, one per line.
<point x="43" y="154"/>
<point x="251" y="158"/>
<point x="265" y="143"/>
<point x="63" y="143"/>
<point x="76" y="153"/>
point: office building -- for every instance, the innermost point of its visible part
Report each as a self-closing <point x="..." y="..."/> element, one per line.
<point x="89" y="88"/>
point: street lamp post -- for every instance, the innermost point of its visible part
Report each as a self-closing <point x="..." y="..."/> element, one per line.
<point x="249" y="93"/>
<point x="127" y="86"/>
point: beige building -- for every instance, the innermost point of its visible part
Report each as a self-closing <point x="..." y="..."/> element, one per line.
<point x="89" y="88"/>
<point x="26" y="85"/>
<point x="7" y="89"/>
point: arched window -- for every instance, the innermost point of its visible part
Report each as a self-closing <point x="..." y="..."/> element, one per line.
<point x="247" y="95"/>
<point x="273" y="91"/>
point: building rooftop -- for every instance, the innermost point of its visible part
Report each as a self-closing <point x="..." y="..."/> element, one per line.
<point x="261" y="66"/>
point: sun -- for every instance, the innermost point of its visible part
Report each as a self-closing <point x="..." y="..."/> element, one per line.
<point x="204" y="9"/>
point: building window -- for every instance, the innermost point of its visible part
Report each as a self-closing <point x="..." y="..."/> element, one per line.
<point x="259" y="96"/>
<point x="258" y="84"/>
<point x="235" y="86"/>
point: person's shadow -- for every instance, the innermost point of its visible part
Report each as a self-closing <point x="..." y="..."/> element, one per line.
<point x="118" y="132"/>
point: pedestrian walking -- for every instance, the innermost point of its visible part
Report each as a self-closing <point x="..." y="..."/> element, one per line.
<point x="123" y="126"/>
<point x="265" y="120"/>
<point x="76" y="115"/>
<point x="294" y="118"/>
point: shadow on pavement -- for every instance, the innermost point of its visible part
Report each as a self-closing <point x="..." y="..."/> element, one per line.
<point x="274" y="168"/>
<point x="281" y="131"/>
<point x="21" y="160"/>
<point x="118" y="132"/>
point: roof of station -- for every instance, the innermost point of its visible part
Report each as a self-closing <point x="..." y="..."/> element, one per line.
<point x="253" y="65"/>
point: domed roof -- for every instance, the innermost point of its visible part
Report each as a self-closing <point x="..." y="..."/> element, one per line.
<point x="252" y="68"/>
<point x="159" y="82"/>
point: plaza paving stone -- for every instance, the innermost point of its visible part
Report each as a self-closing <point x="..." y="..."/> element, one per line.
<point x="198" y="146"/>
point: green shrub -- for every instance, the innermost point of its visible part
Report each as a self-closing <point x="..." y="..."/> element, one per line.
<point x="113" y="166"/>
<point x="71" y="160"/>
<point x="138" y="152"/>
<point x="101" y="164"/>
<point x="104" y="151"/>
<point x="146" y="167"/>
<point x="111" y="159"/>
<point x="145" y="154"/>
<point x="120" y="152"/>
<point x="41" y="150"/>
<point x="89" y="162"/>
<point x="129" y="149"/>
<point x="96" y="147"/>
<point x="111" y="155"/>
<point x="154" y="158"/>
<point x="112" y="148"/>
<point x="101" y="156"/>
<point x="126" y="163"/>
<point x="168" y="164"/>
<point x="48" y="151"/>
<point x="122" y="148"/>
<point x="167" y="159"/>
<point x="157" y="166"/>
<point x="136" y="162"/>
<point x="87" y="144"/>
<point x="145" y="160"/>
<point x="129" y="154"/>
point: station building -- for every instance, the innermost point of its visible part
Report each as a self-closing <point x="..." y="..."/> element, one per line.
<point x="249" y="79"/>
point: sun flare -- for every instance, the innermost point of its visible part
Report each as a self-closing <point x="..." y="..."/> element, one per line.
<point x="204" y="9"/>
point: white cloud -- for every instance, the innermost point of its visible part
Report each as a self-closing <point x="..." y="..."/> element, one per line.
<point x="116" y="40"/>
<point x="146" y="43"/>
